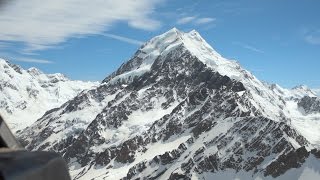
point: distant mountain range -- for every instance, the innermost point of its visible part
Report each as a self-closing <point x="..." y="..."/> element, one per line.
<point x="179" y="110"/>
<point x="27" y="94"/>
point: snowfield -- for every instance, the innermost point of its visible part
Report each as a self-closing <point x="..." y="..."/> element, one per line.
<point x="179" y="110"/>
<point x="27" y="94"/>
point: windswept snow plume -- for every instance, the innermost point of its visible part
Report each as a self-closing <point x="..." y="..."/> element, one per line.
<point x="179" y="110"/>
<point x="27" y="94"/>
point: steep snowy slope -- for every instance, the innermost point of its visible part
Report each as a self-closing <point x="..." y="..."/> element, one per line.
<point x="177" y="109"/>
<point x="317" y="91"/>
<point x="303" y="90"/>
<point x="302" y="109"/>
<point x="294" y="94"/>
<point x="198" y="47"/>
<point x="27" y="94"/>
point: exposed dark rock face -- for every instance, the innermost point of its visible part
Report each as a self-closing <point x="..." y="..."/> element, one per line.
<point x="316" y="153"/>
<point x="294" y="159"/>
<point x="15" y="67"/>
<point x="192" y="89"/>
<point x="177" y="120"/>
<point x="310" y="104"/>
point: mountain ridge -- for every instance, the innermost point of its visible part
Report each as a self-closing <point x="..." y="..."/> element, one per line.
<point x="28" y="94"/>
<point x="168" y="113"/>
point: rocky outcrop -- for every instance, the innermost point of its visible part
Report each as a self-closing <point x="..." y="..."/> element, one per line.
<point x="175" y="115"/>
<point x="310" y="104"/>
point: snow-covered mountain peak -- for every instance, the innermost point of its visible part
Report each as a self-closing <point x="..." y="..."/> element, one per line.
<point x="192" y="41"/>
<point x="303" y="90"/>
<point x="177" y="109"/>
<point x="176" y="43"/>
<point x="27" y="94"/>
<point x="57" y="77"/>
<point x="168" y="42"/>
<point x="173" y="31"/>
<point x="195" y="32"/>
<point x="9" y="67"/>
<point x="302" y="87"/>
<point x="3" y="62"/>
<point x="34" y="71"/>
<point x="295" y="93"/>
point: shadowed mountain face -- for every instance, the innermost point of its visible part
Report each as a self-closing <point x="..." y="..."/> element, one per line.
<point x="176" y="110"/>
<point x="310" y="104"/>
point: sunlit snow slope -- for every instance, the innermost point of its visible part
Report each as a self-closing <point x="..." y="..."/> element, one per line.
<point x="179" y="110"/>
<point x="27" y="94"/>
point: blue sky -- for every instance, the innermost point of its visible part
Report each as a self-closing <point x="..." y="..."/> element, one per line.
<point x="278" y="41"/>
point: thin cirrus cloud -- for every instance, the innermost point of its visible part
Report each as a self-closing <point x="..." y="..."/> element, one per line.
<point x="249" y="47"/>
<point x="195" y="20"/>
<point x="33" y="60"/>
<point x="313" y="37"/>
<point x="123" y="39"/>
<point x="186" y="20"/>
<point x="205" y="20"/>
<point x="4" y="45"/>
<point x="43" y="24"/>
<point x="11" y="57"/>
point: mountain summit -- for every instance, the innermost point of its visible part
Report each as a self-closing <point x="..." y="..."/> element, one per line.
<point x="162" y="45"/>
<point x="179" y="110"/>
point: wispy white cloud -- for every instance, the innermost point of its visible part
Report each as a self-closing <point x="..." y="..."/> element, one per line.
<point x="205" y="20"/>
<point x="122" y="38"/>
<point x="313" y="37"/>
<point x="195" y="20"/>
<point x="43" y="24"/>
<point x="249" y="47"/>
<point x="310" y="35"/>
<point x="185" y="20"/>
<point x="32" y="60"/>
<point x="4" y="45"/>
<point x="13" y="57"/>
